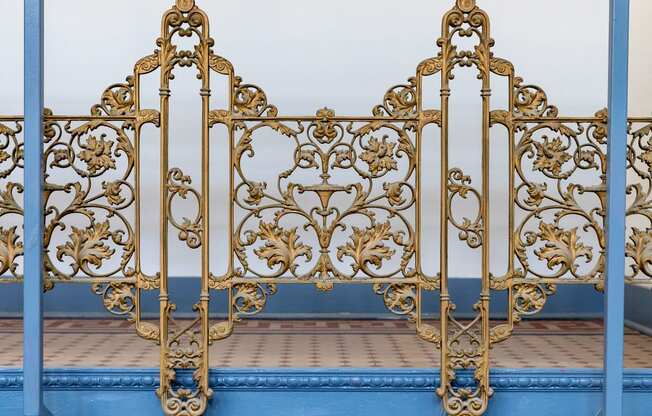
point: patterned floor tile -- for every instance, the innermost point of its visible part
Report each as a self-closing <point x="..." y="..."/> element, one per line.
<point x="325" y="343"/>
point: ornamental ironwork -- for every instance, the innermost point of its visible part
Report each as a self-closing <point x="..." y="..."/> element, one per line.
<point x="345" y="208"/>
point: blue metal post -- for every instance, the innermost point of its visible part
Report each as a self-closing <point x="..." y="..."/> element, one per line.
<point x="615" y="226"/>
<point x="33" y="276"/>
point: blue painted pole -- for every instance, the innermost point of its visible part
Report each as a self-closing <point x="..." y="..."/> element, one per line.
<point x="33" y="275"/>
<point x="615" y="226"/>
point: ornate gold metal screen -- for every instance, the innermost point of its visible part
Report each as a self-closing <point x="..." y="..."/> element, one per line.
<point x="346" y="208"/>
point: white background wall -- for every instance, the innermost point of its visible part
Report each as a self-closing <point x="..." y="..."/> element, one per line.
<point x="342" y="54"/>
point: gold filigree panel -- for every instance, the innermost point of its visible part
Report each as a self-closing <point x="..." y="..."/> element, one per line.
<point x="341" y="208"/>
<point x="638" y="247"/>
<point x="89" y="194"/>
<point x="560" y="197"/>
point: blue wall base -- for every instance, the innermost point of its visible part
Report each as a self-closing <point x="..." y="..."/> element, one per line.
<point x="326" y="392"/>
<point x="304" y="301"/>
<point x="637" y="310"/>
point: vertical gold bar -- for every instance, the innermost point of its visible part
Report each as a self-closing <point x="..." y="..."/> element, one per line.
<point x="486" y="242"/>
<point x="204" y="297"/>
<point x="137" y="180"/>
<point x="417" y="214"/>
<point x="164" y="93"/>
<point x="231" y="181"/>
<point x="444" y="297"/>
<point x="512" y="200"/>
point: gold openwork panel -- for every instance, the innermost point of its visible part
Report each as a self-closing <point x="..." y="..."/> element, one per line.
<point x="638" y="247"/>
<point x="560" y="199"/>
<point x="89" y="196"/>
<point x="338" y="204"/>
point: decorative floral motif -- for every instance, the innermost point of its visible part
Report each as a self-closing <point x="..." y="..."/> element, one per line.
<point x="536" y="193"/>
<point x="562" y="247"/>
<point x="531" y="101"/>
<point x="250" y="298"/>
<point x="325" y="130"/>
<point x="281" y="247"/>
<point x="646" y="157"/>
<point x="367" y="247"/>
<point x="394" y="193"/>
<point x="379" y="155"/>
<point x="87" y="246"/>
<point x="97" y="154"/>
<point x="118" y="298"/>
<point x="399" y="298"/>
<point x="117" y="100"/>
<point x="399" y="101"/>
<point x="639" y="249"/>
<point x="307" y="158"/>
<point x="250" y="100"/>
<point x="256" y="192"/>
<point x="112" y="192"/>
<point x="528" y="299"/>
<point x="10" y="249"/>
<point x="551" y="156"/>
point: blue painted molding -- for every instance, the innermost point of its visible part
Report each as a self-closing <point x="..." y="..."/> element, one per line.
<point x="326" y="392"/>
<point x="296" y="379"/>
<point x="304" y="301"/>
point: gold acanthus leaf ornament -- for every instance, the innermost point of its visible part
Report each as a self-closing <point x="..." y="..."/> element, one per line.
<point x="367" y="247"/>
<point x="528" y="298"/>
<point x="639" y="248"/>
<point x="112" y="192"/>
<point x="393" y="192"/>
<point x="562" y="247"/>
<point x="86" y="246"/>
<point x="248" y="298"/>
<point x="646" y="157"/>
<point x="117" y="297"/>
<point x="281" y="247"/>
<point x="10" y="249"/>
<point x="256" y="192"/>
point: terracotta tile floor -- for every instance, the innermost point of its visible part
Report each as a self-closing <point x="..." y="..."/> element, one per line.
<point x="341" y="343"/>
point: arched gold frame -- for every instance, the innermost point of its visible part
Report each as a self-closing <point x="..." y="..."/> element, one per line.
<point x="546" y="151"/>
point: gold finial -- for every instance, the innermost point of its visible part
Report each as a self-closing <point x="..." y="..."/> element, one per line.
<point x="185" y="5"/>
<point x="466" y="5"/>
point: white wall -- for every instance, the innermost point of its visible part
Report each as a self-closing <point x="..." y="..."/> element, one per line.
<point x="342" y="54"/>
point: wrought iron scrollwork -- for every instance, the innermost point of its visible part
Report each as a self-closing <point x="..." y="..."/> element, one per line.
<point x="344" y="205"/>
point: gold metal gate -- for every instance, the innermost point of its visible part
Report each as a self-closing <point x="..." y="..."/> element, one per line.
<point x="364" y="175"/>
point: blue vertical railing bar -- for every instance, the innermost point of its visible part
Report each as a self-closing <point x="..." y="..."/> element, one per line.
<point x="33" y="202"/>
<point x="615" y="226"/>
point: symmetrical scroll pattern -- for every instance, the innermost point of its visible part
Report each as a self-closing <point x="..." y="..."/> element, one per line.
<point x="183" y="345"/>
<point x="380" y="200"/>
<point x="466" y="345"/>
